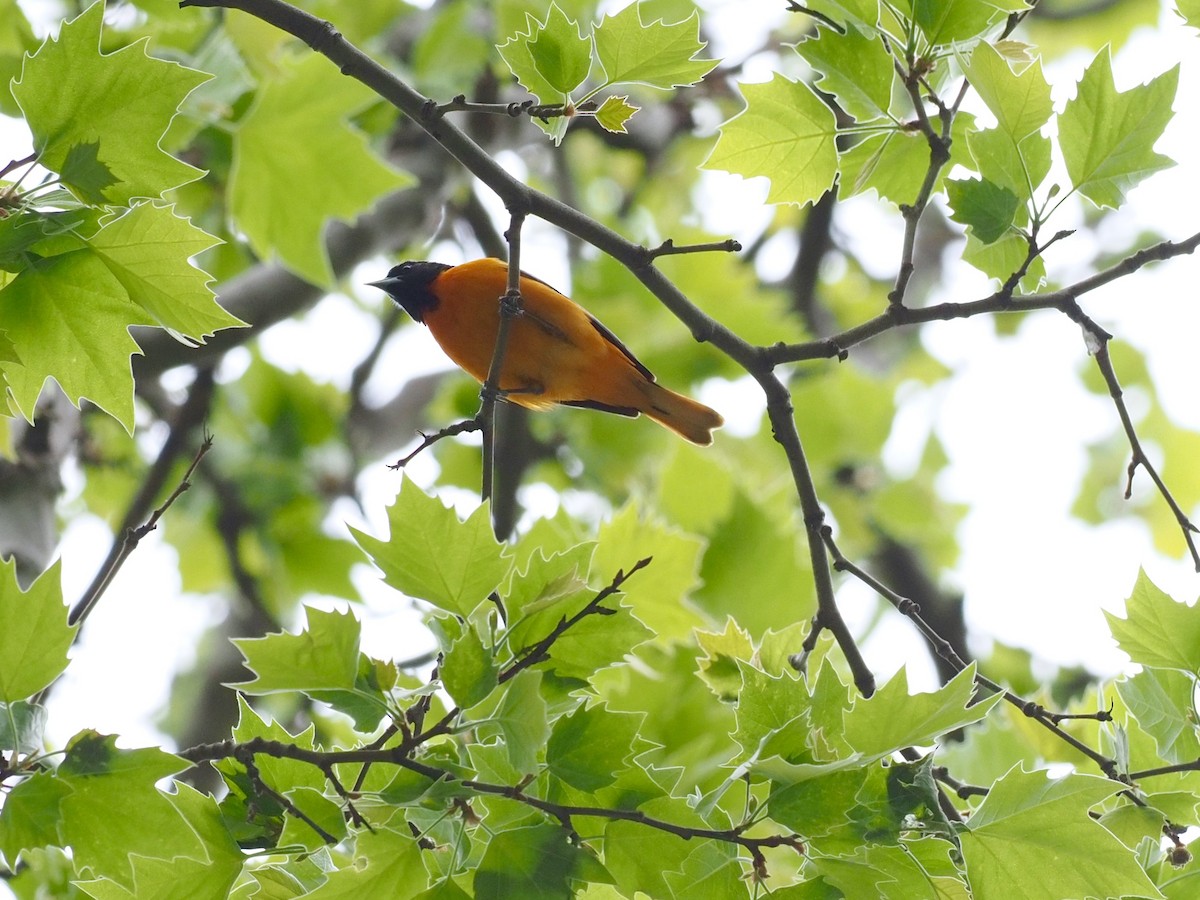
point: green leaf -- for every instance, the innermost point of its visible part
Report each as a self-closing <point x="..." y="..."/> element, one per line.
<point x="1028" y="824"/>
<point x="1156" y="630"/>
<point x="68" y="315"/>
<point x="468" y="669"/>
<point x="948" y="21"/>
<point x="1020" y="101"/>
<point x="1189" y="11"/>
<point x="987" y="208"/>
<point x="522" y="720"/>
<point x="657" y="594"/>
<point x="34" y="635"/>
<point x="657" y="54"/>
<point x="550" y="59"/>
<point x="886" y="872"/>
<point x="1019" y="167"/>
<point x="22" y="726"/>
<point x="31" y="815"/>
<point x="1161" y="701"/>
<point x="533" y="863"/>
<point x="386" y="864"/>
<point x="322" y="657"/>
<point x="855" y="68"/>
<point x="1107" y="137"/>
<point x="181" y="878"/>
<point x="283" y="208"/>
<point x="433" y="556"/>
<point x="562" y="56"/>
<point x="591" y="745"/>
<point x="105" y="130"/>
<point x="892" y="719"/>
<point x="786" y="134"/>
<point x="114" y="811"/>
<point x="614" y="112"/>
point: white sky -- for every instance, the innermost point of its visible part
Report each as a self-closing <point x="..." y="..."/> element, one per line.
<point x="1012" y="417"/>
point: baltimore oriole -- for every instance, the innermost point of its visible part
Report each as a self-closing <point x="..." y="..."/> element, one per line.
<point x="557" y="352"/>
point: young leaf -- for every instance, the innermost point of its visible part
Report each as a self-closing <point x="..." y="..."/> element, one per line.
<point x="522" y="720"/>
<point x="855" y="67"/>
<point x="31" y="815"/>
<point x="68" y="314"/>
<point x="947" y="21"/>
<point x="1156" y="630"/>
<point x="1015" y="843"/>
<point x="114" y="810"/>
<point x="657" y="55"/>
<point x="469" y="669"/>
<point x="1019" y="167"/>
<point x="533" y="863"/>
<point x="786" y="134"/>
<point x="590" y="746"/>
<point x="386" y="864"/>
<point x="283" y="208"/>
<point x="1161" y="701"/>
<point x="987" y="208"/>
<point x="322" y="657"/>
<point x="893" y="718"/>
<point x="614" y="112"/>
<point x="1020" y="101"/>
<point x="550" y="59"/>
<point x="34" y="635"/>
<point x="106" y="128"/>
<point x="1107" y="137"/>
<point x="433" y="556"/>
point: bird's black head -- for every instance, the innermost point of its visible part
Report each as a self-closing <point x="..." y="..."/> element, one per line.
<point x="408" y="284"/>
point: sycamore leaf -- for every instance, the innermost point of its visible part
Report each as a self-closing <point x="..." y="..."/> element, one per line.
<point x="1161" y="701"/>
<point x="1157" y="631"/>
<point x="282" y="200"/>
<point x="31" y="814"/>
<point x="469" y="669"/>
<point x="786" y="134"/>
<point x="614" y="112"/>
<point x="98" y="118"/>
<point x="433" y="556"/>
<point x="591" y="745"/>
<point x="522" y="720"/>
<point x="1019" y="167"/>
<point x="947" y="21"/>
<point x="34" y="634"/>
<point x="987" y="208"/>
<point x="1189" y="11"/>
<point x="114" y="811"/>
<point x="68" y="315"/>
<point x="322" y="657"/>
<point x="657" y="54"/>
<point x="550" y="59"/>
<point x="1107" y="137"/>
<point x="892" y="718"/>
<point x="855" y="67"/>
<point x="534" y="863"/>
<point x="386" y="864"/>
<point x="1020" y="101"/>
<point x="1029" y="823"/>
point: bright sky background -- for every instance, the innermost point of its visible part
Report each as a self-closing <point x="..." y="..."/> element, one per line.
<point x="1012" y="418"/>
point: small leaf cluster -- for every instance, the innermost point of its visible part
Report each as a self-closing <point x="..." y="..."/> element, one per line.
<point x="553" y="61"/>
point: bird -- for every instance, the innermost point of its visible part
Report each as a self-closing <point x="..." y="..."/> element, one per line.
<point x="557" y="352"/>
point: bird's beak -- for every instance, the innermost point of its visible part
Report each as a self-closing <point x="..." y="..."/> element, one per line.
<point x="384" y="284"/>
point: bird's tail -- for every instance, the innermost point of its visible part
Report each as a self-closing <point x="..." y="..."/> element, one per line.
<point x="683" y="415"/>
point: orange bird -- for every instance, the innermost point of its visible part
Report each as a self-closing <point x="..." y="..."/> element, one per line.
<point x="557" y="352"/>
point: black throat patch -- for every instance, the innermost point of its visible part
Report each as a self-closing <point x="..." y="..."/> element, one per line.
<point x="408" y="284"/>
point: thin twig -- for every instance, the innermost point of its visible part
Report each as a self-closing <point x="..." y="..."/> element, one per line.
<point x="466" y="426"/>
<point x="190" y="414"/>
<point x="1104" y="363"/>
<point x="668" y="248"/>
